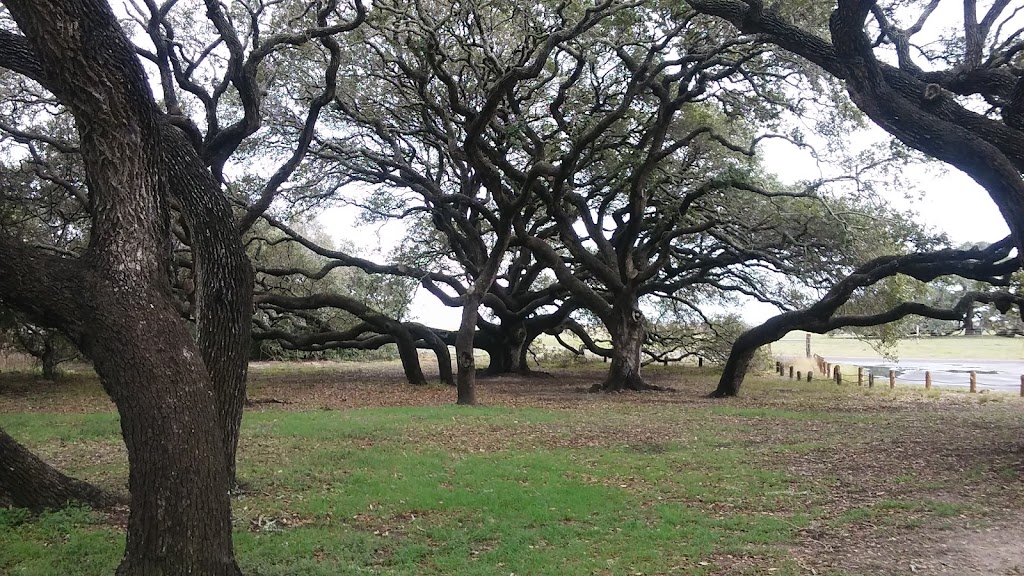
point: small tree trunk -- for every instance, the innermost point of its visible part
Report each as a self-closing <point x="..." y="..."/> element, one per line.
<point x="465" y="380"/>
<point x="627" y="332"/>
<point x="410" y="356"/>
<point x="49" y="358"/>
<point x="28" y="482"/>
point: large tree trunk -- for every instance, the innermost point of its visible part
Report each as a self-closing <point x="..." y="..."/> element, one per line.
<point x="180" y="521"/>
<point x="28" y="482"/>
<point x="507" y="348"/>
<point x="223" y="279"/>
<point x="627" y="333"/>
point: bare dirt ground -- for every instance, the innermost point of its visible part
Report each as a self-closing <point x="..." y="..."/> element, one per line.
<point x="904" y="482"/>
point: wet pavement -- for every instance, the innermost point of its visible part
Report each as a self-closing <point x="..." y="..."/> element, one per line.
<point x="1001" y="375"/>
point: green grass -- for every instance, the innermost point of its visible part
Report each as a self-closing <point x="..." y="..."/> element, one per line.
<point x="954" y="347"/>
<point x="604" y="487"/>
<point x="369" y="491"/>
<point x="901" y="513"/>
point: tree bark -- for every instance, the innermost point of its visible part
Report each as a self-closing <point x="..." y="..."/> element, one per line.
<point x="465" y="379"/>
<point x="507" y="348"/>
<point x="48" y="359"/>
<point x="180" y="520"/>
<point x="223" y="280"/>
<point x="28" y="482"/>
<point x="627" y="333"/>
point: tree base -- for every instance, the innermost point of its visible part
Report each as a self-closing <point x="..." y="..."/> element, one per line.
<point x="632" y="383"/>
<point x="520" y="372"/>
<point x="212" y="567"/>
<point x="720" y="393"/>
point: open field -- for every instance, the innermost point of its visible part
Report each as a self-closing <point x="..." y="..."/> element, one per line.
<point x="973" y="347"/>
<point x="349" y="471"/>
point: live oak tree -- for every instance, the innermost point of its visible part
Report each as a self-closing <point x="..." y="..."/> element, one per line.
<point x="958" y="98"/>
<point x="656" y="188"/>
<point x="434" y="126"/>
<point x="992" y="265"/>
<point x="114" y="302"/>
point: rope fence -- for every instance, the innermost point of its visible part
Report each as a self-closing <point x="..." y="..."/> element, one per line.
<point x="834" y="372"/>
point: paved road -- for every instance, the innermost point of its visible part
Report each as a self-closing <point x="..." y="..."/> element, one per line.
<point x="1001" y="375"/>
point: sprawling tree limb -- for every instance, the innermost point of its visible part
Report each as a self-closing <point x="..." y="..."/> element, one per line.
<point x="43" y="286"/>
<point x="991" y="264"/>
<point x="903" y="100"/>
<point x="28" y="482"/>
<point x="374" y="319"/>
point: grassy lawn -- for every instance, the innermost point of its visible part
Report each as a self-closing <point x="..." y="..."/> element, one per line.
<point x="348" y="471"/>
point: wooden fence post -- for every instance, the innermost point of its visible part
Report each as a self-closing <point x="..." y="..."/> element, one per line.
<point x="892" y="379"/>
<point x="809" y="372"/>
<point x="974" y="381"/>
<point x="838" y="374"/>
<point x="807" y="345"/>
<point x="799" y="375"/>
<point x="927" y="380"/>
<point x="860" y="375"/>
<point x="871" y="380"/>
<point x="1022" y="386"/>
<point x="790" y="372"/>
